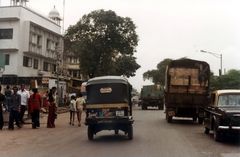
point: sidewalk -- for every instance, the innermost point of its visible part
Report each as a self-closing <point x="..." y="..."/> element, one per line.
<point x="28" y="120"/>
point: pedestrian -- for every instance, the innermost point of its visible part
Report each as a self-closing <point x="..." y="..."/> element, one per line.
<point x="34" y="106"/>
<point x="51" y="113"/>
<point x="24" y="101"/>
<point x="2" y="98"/>
<point x="8" y="94"/>
<point x="80" y="101"/>
<point x="14" y="106"/>
<point x="54" y="94"/>
<point x="72" y="110"/>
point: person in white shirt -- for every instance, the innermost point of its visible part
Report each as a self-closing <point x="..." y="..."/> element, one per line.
<point x="80" y="101"/>
<point x="72" y="110"/>
<point x="24" y="101"/>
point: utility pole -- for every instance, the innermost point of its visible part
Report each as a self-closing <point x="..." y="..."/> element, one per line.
<point x="63" y="17"/>
<point x="58" y="59"/>
<point x="217" y="55"/>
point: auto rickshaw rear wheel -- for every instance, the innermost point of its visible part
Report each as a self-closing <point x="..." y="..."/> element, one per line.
<point x="207" y="130"/>
<point x="130" y="132"/>
<point x="168" y="118"/>
<point x="90" y="133"/>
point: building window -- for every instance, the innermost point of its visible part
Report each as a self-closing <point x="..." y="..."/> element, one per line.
<point x="56" y="45"/>
<point x="6" y="33"/>
<point x="54" y="67"/>
<point x="35" y="64"/>
<point x="7" y="59"/>
<point x="75" y="73"/>
<point x="27" y="61"/>
<point x="33" y="38"/>
<point x="45" y="66"/>
<point x="39" y="40"/>
<point x="48" y="44"/>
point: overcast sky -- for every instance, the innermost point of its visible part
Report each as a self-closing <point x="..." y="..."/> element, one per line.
<point x="167" y="28"/>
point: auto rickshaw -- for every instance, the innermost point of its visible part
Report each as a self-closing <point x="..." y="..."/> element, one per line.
<point x="108" y="105"/>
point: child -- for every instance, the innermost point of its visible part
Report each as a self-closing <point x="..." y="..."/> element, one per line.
<point x="72" y="110"/>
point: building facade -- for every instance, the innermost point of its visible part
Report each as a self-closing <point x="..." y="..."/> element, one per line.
<point x="72" y="68"/>
<point x="31" y="45"/>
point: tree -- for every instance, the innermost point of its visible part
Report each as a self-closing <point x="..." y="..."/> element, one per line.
<point x="157" y="75"/>
<point x="105" y="44"/>
<point x="230" y="80"/>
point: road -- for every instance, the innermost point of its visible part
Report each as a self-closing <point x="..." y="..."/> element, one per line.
<point x="153" y="137"/>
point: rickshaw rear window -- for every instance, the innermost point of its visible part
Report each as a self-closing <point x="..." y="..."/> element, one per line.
<point x="107" y="93"/>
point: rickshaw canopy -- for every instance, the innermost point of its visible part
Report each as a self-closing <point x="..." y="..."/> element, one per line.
<point x="108" y="89"/>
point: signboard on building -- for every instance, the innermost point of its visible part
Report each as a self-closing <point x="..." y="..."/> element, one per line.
<point x="45" y="80"/>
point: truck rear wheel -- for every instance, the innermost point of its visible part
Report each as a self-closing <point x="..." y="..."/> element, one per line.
<point x="169" y="118"/>
<point x="200" y="120"/>
<point x="144" y="107"/>
<point x="159" y="107"/>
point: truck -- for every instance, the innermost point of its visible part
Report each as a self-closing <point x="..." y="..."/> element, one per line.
<point x="151" y="95"/>
<point x="186" y="91"/>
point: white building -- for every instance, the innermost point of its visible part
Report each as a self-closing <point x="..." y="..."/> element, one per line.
<point x="30" y="43"/>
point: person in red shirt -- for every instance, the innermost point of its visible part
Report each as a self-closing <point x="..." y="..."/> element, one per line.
<point x="34" y="106"/>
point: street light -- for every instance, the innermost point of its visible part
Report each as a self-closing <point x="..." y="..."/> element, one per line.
<point x="215" y="55"/>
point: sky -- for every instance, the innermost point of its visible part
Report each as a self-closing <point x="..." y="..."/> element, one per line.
<point x="166" y="28"/>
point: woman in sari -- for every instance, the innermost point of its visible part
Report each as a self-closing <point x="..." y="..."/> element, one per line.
<point x="51" y="113"/>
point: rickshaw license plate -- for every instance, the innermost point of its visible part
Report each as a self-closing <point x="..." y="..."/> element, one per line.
<point x="119" y="113"/>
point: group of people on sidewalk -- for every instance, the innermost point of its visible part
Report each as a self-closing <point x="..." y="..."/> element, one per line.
<point x="16" y="102"/>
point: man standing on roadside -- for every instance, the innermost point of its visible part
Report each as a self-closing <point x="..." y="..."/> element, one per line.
<point x="8" y="94"/>
<point x="24" y="101"/>
<point x="2" y="98"/>
<point x="14" y="105"/>
<point x="34" y="106"/>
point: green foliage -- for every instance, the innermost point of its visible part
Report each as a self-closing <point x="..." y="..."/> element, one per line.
<point x="125" y="65"/>
<point x="105" y="44"/>
<point x="231" y="80"/>
<point x="157" y="75"/>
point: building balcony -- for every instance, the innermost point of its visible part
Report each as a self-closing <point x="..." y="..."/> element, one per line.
<point x="8" y="46"/>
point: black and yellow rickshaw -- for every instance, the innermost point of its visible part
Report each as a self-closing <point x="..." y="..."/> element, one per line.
<point x="109" y="105"/>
